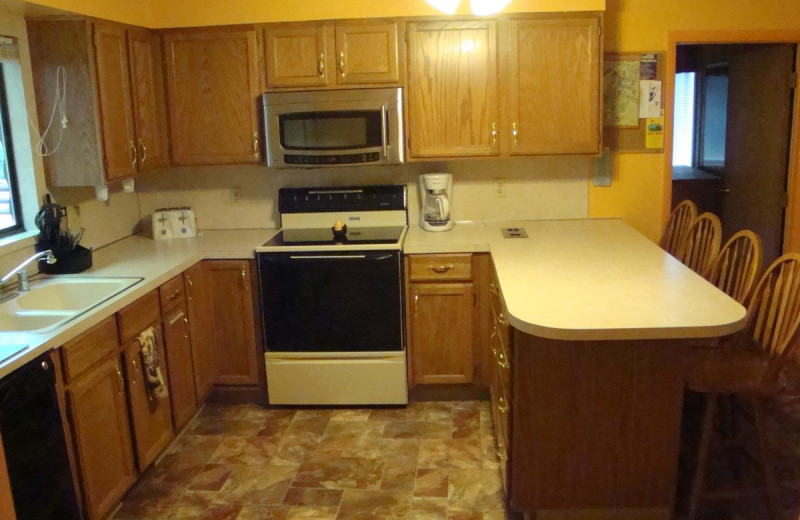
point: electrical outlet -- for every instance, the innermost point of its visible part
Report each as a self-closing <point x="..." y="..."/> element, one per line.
<point x="236" y="195"/>
<point x="74" y="218"/>
<point x="500" y="188"/>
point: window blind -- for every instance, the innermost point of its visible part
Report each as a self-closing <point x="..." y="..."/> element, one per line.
<point x="683" y="135"/>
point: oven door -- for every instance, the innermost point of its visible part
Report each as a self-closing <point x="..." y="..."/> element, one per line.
<point x="332" y="301"/>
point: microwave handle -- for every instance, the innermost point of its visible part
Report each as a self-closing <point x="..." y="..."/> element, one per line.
<point x="384" y="137"/>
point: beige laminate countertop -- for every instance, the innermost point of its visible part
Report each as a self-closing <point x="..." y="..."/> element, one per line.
<point x="137" y="256"/>
<point x="591" y="280"/>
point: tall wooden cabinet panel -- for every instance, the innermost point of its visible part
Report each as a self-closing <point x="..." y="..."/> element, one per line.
<point x="200" y="308"/>
<point x="234" y="322"/>
<point x="366" y="53"/>
<point x="555" y="92"/>
<point x="441" y="335"/>
<point x="299" y="55"/>
<point x="99" y="418"/>
<point x="181" y="369"/>
<point x="151" y="419"/>
<point x="212" y="86"/>
<point x="114" y="92"/>
<point x="452" y="89"/>
<point x="147" y="88"/>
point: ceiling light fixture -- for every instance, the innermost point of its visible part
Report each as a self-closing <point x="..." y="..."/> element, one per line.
<point x="479" y="7"/>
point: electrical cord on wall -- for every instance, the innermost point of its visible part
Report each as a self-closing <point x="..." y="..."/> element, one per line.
<point x="60" y="106"/>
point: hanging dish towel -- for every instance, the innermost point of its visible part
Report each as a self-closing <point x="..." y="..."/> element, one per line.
<point x="151" y="361"/>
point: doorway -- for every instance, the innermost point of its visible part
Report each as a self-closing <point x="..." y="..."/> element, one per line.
<point x="733" y="110"/>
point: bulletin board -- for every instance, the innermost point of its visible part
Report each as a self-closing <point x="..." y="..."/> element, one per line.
<point x="622" y="131"/>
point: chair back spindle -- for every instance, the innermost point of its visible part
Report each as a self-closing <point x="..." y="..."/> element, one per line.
<point x="679" y="221"/>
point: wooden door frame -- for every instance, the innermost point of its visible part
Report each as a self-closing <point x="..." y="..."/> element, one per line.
<point x="791" y="229"/>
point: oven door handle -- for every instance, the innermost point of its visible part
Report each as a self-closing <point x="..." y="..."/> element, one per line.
<point x="340" y="257"/>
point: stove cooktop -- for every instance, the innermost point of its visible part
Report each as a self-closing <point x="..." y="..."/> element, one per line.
<point x="324" y="236"/>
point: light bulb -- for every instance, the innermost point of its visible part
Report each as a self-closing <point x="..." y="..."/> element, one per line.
<point x="445" y="6"/>
<point x="487" y="7"/>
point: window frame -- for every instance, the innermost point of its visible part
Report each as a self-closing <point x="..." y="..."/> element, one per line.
<point x="16" y="202"/>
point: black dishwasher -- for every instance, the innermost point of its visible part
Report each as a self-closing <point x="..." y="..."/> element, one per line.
<point x="35" y="448"/>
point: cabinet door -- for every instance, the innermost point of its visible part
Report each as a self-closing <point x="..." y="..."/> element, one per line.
<point x="114" y="91"/>
<point x="99" y="417"/>
<point x="555" y="85"/>
<point x="152" y="419"/>
<point x="441" y="332"/>
<point x="452" y="89"/>
<point x="212" y="84"/>
<point x="6" y="500"/>
<point x="234" y="322"/>
<point x="299" y="55"/>
<point x="148" y="98"/>
<point x="366" y="53"/>
<point x="180" y="366"/>
<point x="201" y="328"/>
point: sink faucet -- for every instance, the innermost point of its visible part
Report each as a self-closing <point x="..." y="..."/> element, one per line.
<point x="22" y="273"/>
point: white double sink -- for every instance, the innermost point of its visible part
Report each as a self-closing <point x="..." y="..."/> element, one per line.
<point x="53" y="302"/>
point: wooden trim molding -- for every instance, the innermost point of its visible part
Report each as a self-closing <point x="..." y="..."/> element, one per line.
<point x="791" y="241"/>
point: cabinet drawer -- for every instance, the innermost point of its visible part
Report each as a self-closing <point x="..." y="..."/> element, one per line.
<point x="137" y="316"/>
<point x="440" y="267"/>
<point x="171" y="292"/>
<point x="88" y="349"/>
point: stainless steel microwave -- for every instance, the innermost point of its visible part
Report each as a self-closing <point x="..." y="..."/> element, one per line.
<point x="320" y="128"/>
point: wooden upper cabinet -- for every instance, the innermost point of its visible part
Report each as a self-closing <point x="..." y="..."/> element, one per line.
<point x="299" y="55"/>
<point x="366" y="53"/>
<point x="452" y="89"/>
<point x="147" y="87"/>
<point x="554" y="93"/>
<point x="212" y="86"/>
<point x="114" y="92"/>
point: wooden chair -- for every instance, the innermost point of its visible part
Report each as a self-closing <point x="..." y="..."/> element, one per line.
<point x="679" y="221"/>
<point x="701" y="244"/>
<point x="737" y="265"/>
<point x="755" y="368"/>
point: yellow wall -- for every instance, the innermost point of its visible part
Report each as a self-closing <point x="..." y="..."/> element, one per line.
<point x="637" y="189"/>
<point x="135" y="12"/>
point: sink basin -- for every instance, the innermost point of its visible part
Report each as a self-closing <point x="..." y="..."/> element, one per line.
<point x="53" y="302"/>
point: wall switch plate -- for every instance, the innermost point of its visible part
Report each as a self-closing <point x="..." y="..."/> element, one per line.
<point x="602" y="169"/>
<point x="514" y="232"/>
<point x="500" y="188"/>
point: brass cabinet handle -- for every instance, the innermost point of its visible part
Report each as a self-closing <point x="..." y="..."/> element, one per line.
<point x="321" y="65"/>
<point x="493" y="288"/>
<point x="494" y="134"/>
<point x="121" y="381"/>
<point x="501" y="452"/>
<point x="174" y="295"/>
<point x="501" y="359"/>
<point x="134" y="154"/>
<point x="416" y="303"/>
<point x="441" y="268"/>
<point x="514" y="132"/>
<point x="189" y="291"/>
<point x="143" y="149"/>
<point x="342" y="65"/>
<point x="502" y="319"/>
<point x="502" y="406"/>
<point x="176" y="318"/>
<point x="255" y="144"/>
<point x="244" y="279"/>
<point x="133" y="372"/>
<point x="186" y="327"/>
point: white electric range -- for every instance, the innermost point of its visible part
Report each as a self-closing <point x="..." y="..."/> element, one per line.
<point x="332" y="299"/>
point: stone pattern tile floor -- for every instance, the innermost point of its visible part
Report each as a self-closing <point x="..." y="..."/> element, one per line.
<point x="429" y="461"/>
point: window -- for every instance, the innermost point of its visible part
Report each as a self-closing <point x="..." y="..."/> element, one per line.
<point x="683" y="138"/>
<point x="10" y="214"/>
<point x="714" y="118"/>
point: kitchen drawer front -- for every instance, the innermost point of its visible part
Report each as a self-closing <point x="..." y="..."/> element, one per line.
<point x="171" y="292"/>
<point x="501" y="429"/>
<point x="501" y="363"/>
<point x="137" y="316"/>
<point x="440" y="267"/>
<point x="88" y="349"/>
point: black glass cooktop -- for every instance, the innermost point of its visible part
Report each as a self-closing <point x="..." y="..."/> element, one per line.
<point x="323" y="236"/>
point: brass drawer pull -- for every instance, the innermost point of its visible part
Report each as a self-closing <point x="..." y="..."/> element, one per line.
<point x="501" y="454"/>
<point x="501" y="360"/>
<point x="502" y="319"/>
<point x="175" y="318"/>
<point x="493" y="288"/>
<point x="174" y="295"/>
<point x="441" y="268"/>
<point x="502" y="406"/>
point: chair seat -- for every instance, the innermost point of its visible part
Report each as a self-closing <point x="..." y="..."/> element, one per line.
<point x="733" y="371"/>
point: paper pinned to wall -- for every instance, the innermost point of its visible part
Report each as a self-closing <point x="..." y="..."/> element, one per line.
<point x="621" y="91"/>
<point x="654" y="137"/>
<point x="650" y="99"/>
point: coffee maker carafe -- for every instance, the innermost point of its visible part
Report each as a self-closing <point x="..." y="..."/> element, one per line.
<point x="435" y="192"/>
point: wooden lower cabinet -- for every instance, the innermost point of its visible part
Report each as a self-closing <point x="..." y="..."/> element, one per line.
<point x="151" y="419"/>
<point x="180" y="365"/>
<point x="101" y="427"/>
<point x="232" y="292"/>
<point x="200" y="308"/>
<point x="6" y="500"/>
